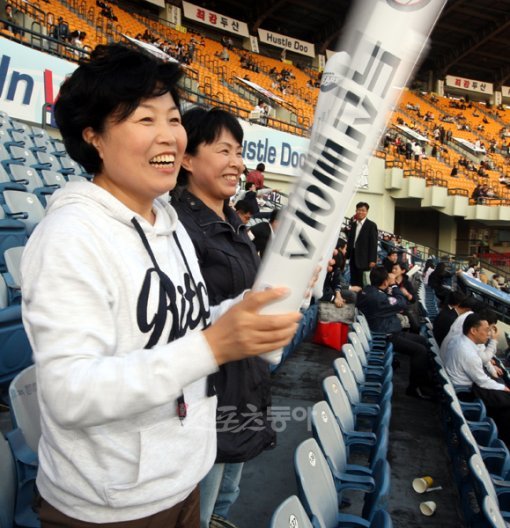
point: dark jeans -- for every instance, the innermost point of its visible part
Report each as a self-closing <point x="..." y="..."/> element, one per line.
<point x="414" y="346"/>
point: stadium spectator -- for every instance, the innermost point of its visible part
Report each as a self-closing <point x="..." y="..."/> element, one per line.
<point x="257" y="176"/>
<point x="336" y="288"/>
<point x="455" y="305"/>
<point x="223" y="54"/>
<point x="427" y="270"/>
<point x="128" y="389"/>
<point x="466" y="369"/>
<point x="263" y="232"/>
<point x="439" y="281"/>
<point x="390" y="260"/>
<point x="399" y="272"/>
<point x="263" y="110"/>
<point x="473" y="268"/>
<point x="61" y="30"/>
<point x="361" y="244"/>
<point x="243" y="210"/>
<point x="10" y="21"/>
<point x="381" y="302"/>
<point x="250" y="197"/>
<point x="210" y="171"/>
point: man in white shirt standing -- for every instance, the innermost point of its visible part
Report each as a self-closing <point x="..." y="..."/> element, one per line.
<point x="465" y="368"/>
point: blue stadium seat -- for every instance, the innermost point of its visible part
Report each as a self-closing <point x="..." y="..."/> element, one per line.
<point x="32" y="181"/>
<point x="7" y="485"/>
<point x="318" y="493"/>
<point x="358" y="393"/>
<point x="15" y="350"/>
<point x="290" y="514"/>
<point x="24" y="206"/>
<point x="347" y="415"/>
<point x="330" y="438"/>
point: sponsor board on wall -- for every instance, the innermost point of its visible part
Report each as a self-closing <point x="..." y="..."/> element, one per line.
<point x="505" y="91"/>
<point x="288" y="43"/>
<point x="217" y="20"/>
<point x="469" y="84"/>
<point x="29" y="79"/>
<point x="282" y="153"/>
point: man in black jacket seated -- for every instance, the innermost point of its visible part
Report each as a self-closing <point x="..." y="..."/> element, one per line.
<point x="380" y="302"/>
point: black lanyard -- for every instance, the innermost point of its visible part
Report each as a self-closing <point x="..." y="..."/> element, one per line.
<point x="182" y="408"/>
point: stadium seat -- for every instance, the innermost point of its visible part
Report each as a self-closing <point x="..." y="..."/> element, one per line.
<point x="371" y="346"/>
<point x="363" y="374"/>
<point x="76" y="178"/>
<point x="52" y="178"/>
<point x="290" y="514"/>
<point x="15" y="350"/>
<point x="347" y="415"/>
<point x="492" y="513"/>
<point x="26" y="470"/>
<point x="12" y="233"/>
<point x="376" y="365"/>
<point x="329" y="436"/>
<point x="318" y="493"/>
<point x="33" y="183"/>
<point x="41" y="144"/>
<point x="69" y="166"/>
<point x="20" y="156"/>
<point x="484" y="487"/>
<point x="24" y="206"/>
<point x="358" y="393"/>
<point x="46" y="161"/>
<point x="7" y="485"/>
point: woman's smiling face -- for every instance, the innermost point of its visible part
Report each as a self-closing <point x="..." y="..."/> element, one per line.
<point x="215" y="169"/>
<point x="141" y="155"/>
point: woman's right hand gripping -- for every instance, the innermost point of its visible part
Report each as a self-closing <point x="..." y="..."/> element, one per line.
<point x="243" y="331"/>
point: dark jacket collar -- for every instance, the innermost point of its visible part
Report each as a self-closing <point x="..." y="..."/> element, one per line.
<point x="203" y="214"/>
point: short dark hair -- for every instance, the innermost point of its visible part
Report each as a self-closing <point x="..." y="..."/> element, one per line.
<point x="392" y="252"/>
<point x="247" y="185"/>
<point x="362" y="204"/>
<point x="455" y="298"/>
<point x="205" y="127"/>
<point x="261" y="167"/>
<point x="378" y="275"/>
<point x="473" y="320"/>
<point x="244" y="206"/>
<point x="111" y="84"/>
<point x="470" y="302"/>
<point x="488" y="315"/>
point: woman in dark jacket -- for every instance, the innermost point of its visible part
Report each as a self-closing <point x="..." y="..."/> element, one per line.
<point x="210" y="172"/>
<point x="439" y="281"/>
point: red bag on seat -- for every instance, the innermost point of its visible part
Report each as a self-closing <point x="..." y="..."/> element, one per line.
<point x="332" y="335"/>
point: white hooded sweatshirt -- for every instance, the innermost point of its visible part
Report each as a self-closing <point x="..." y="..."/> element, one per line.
<point x="112" y="446"/>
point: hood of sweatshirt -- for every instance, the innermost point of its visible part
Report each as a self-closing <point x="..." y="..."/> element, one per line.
<point x="95" y="197"/>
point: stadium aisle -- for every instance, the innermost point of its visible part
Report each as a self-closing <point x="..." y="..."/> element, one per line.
<point x="417" y="448"/>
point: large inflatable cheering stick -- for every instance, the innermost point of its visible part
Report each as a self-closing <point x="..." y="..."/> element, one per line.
<point x="382" y="43"/>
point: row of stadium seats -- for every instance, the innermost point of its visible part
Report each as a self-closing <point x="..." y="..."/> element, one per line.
<point x="353" y="420"/>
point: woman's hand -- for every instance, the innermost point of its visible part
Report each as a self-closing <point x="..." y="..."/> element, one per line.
<point x="243" y="332"/>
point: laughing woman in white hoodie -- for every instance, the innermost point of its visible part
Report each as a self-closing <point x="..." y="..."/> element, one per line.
<point x="117" y="312"/>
